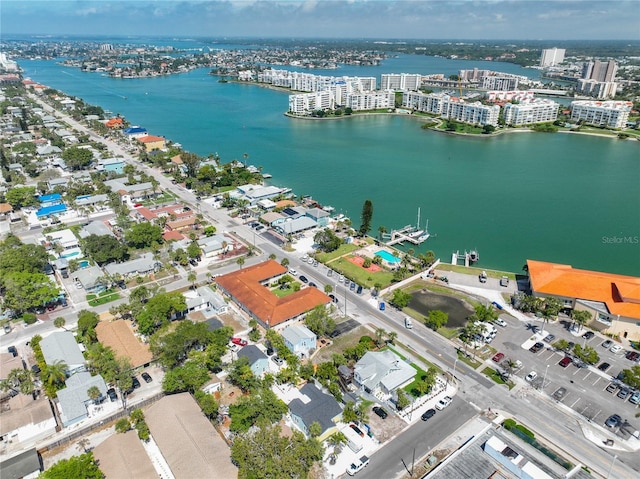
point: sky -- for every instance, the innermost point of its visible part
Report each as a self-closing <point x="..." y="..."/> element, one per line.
<point x="373" y="19"/>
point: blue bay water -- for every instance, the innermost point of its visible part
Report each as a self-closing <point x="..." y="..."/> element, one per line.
<point x="552" y="197"/>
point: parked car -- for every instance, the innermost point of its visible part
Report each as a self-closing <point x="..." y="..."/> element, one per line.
<point x="112" y="394"/>
<point x="259" y="228"/>
<point x="559" y="394"/>
<point x="239" y="341"/>
<point x="7" y="328"/>
<point x="79" y="285"/>
<point x="147" y="377"/>
<point x="611" y="388"/>
<point x="564" y="362"/>
<point x="312" y="285"/>
<point x="632" y="355"/>
<point x="13" y="351"/>
<point x="536" y="347"/>
<point x="504" y="281"/>
<point x="588" y="335"/>
<point x="315" y="263"/>
<point x="443" y="403"/>
<point x="604" y="366"/>
<point x="483" y="277"/>
<point x="607" y="344"/>
<point x="616" y="348"/>
<point x="278" y="360"/>
<point x="352" y="286"/>
<point x="357" y="430"/>
<point x="549" y="338"/>
<point x="531" y="377"/>
<point x="292" y="272"/>
<point x="498" y="357"/>
<point x="358" y="465"/>
<point x="381" y="306"/>
<point x="623" y="393"/>
<point x="359" y="290"/>
<point x="635" y="398"/>
<point x="497" y="305"/>
<point x="429" y="413"/>
<point x="136" y="382"/>
<point x="304" y="279"/>
<point x="333" y="298"/>
<point x="380" y="412"/>
<point x="501" y="322"/>
<point x="613" y="420"/>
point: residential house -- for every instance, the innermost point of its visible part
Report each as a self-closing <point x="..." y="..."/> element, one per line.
<point x="152" y="143"/>
<point x="255" y="193"/>
<point x="300" y="340"/>
<point x="272" y="218"/>
<point x="296" y="225"/>
<point x="145" y="264"/>
<point x="57" y="183"/>
<point x="119" y="336"/>
<point x="313" y="405"/>
<point x="26" y="464"/>
<point x="50" y="205"/>
<point x="47" y="151"/>
<point x="115" y="123"/>
<point x="111" y="165"/>
<point x="97" y="228"/>
<point x="5" y="210"/>
<point x="62" y="347"/>
<point x="66" y="241"/>
<point x="135" y="132"/>
<point x="91" y="279"/>
<point x="248" y="288"/>
<point x="321" y="217"/>
<point x="122" y="456"/>
<point x="382" y="372"/>
<point x="74" y="398"/>
<point x="95" y="202"/>
<point x="214" y="245"/>
<point x="187" y="440"/>
<point x="266" y="204"/>
<point x="257" y="359"/>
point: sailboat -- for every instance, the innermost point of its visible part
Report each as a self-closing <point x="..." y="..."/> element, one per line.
<point x="424" y="237"/>
<point x="418" y="232"/>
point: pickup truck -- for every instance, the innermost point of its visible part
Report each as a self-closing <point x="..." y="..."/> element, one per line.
<point x="358" y="465"/>
<point x="504" y="281"/>
<point x="483" y="277"/>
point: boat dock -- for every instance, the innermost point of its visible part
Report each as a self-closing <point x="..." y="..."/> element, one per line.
<point x="467" y="257"/>
<point x="407" y="233"/>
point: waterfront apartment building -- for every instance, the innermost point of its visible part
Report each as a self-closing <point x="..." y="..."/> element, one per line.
<point x="530" y="112"/>
<point x="500" y="82"/>
<point x="518" y="95"/>
<point x="370" y="100"/>
<point x="452" y="108"/>
<point x="609" y="114"/>
<point x="600" y="71"/>
<point x="400" y="81"/>
<point x="551" y="57"/>
<point x="307" y="82"/>
<point x="304" y="103"/>
<point x="598" y="89"/>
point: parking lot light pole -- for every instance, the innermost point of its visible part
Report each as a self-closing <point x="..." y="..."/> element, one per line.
<point x="454" y="371"/>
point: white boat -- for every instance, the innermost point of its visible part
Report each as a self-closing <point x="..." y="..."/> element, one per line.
<point x="415" y="234"/>
<point x="423" y="238"/>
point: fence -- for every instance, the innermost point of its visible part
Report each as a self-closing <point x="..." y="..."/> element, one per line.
<point x="97" y="425"/>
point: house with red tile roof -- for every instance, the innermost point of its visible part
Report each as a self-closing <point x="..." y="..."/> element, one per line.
<point x="613" y="299"/>
<point x="115" y="123"/>
<point x="248" y="289"/>
<point x="152" y="143"/>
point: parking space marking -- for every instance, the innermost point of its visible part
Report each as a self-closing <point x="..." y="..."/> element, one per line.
<point x="578" y="370"/>
<point x="596" y="415"/>
<point x="574" y="403"/>
<point x="596" y="381"/>
<point x="552" y="355"/>
<point x="588" y="374"/>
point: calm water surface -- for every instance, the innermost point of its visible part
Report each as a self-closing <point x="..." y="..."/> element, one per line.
<point x="553" y="197"/>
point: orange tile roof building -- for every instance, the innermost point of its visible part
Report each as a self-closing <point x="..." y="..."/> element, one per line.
<point x="613" y="299"/>
<point x="247" y="288"/>
<point x="115" y="123"/>
<point x="151" y="142"/>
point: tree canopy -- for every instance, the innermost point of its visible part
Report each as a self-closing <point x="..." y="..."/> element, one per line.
<point x="319" y="321"/>
<point x="265" y="453"/>
<point x="263" y="405"/>
<point x="104" y="249"/>
<point x="400" y="299"/>
<point x="24" y="291"/>
<point x="78" y="467"/>
<point x="158" y="310"/>
<point x="19" y="257"/>
<point x="367" y="215"/>
<point x="171" y="348"/>
<point x="77" y="158"/>
<point x="21" y="196"/>
<point x="144" y="235"/>
<point x="327" y="240"/>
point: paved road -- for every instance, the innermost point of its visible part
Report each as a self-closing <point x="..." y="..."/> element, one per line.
<point x="396" y="457"/>
<point x="533" y="407"/>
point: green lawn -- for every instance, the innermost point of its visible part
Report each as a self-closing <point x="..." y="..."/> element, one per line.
<point x="104" y="299"/>
<point x="342" y="250"/>
<point x="360" y="275"/>
<point x="493" y="374"/>
<point x="468" y="360"/>
<point x="281" y="293"/>
<point x="448" y="333"/>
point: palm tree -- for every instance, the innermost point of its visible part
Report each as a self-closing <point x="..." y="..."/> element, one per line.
<point x="192" y="277"/>
<point x="59" y="322"/>
<point x="391" y="336"/>
<point x="380" y="332"/>
<point x="240" y="261"/>
<point x="224" y="248"/>
<point x="82" y="444"/>
<point x="54" y="374"/>
<point x="381" y="230"/>
<point x="337" y="440"/>
<point x="94" y="393"/>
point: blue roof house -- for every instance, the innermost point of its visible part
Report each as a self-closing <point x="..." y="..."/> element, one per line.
<point x="300" y="340"/>
<point x="50" y="200"/>
<point x="257" y="359"/>
<point x="50" y="205"/>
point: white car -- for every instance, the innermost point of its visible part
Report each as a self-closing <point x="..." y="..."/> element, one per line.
<point x="443" y="403"/>
<point x="531" y="376"/>
<point x="358" y="465"/>
<point x="293" y="272"/>
<point x="501" y="322"/>
<point x="616" y="348"/>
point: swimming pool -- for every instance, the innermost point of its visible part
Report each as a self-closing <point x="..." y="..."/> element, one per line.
<point x="388" y="257"/>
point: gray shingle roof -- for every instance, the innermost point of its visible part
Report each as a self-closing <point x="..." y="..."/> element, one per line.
<point x="320" y="407"/>
<point x="61" y="346"/>
<point x="252" y="353"/>
<point x="74" y="398"/>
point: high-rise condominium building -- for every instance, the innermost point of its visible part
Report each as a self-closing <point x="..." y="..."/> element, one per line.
<point x="551" y="57"/>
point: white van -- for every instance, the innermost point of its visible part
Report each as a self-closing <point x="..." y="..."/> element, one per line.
<point x="408" y="322"/>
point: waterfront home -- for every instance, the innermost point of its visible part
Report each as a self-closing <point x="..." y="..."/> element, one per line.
<point x="255" y="193"/>
<point x="152" y="143"/>
<point x="612" y="299"/>
<point x="300" y="340"/>
<point x="312" y="405"/>
<point x="321" y="217"/>
<point x="272" y="218"/>
<point x="61" y="347"/>
<point x="248" y="288"/>
<point x="135" y="132"/>
<point x="258" y="361"/>
<point x="296" y="225"/>
<point x="381" y="373"/>
<point x="115" y="123"/>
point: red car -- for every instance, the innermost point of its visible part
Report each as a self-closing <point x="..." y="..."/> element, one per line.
<point x="498" y="357"/>
<point x="239" y="341"/>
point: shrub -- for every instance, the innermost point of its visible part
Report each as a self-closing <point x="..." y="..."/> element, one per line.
<point x="525" y="431"/>
<point x="509" y="424"/>
<point x="123" y="425"/>
<point x="29" y="318"/>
